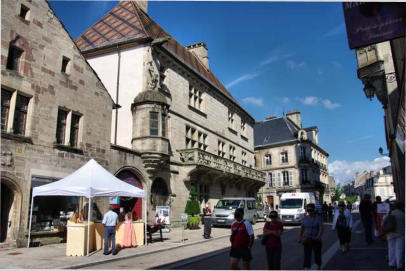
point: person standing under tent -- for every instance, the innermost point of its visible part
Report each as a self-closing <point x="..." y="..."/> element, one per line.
<point x="110" y="220"/>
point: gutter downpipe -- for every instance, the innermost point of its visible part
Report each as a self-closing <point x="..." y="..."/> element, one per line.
<point x="117" y="92"/>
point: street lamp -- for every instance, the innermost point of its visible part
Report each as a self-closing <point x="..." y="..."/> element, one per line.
<point x="369" y="91"/>
<point x="380" y="150"/>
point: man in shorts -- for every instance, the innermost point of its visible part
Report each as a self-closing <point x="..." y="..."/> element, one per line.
<point x="242" y="240"/>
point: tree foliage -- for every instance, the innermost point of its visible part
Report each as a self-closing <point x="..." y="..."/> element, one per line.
<point x="192" y="205"/>
<point x="351" y="199"/>
<point x="338" y="191"/>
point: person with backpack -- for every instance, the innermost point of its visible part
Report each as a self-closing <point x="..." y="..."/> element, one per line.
<point x="242" y="240"/>
<point x="272" y="240"/>
<point x="394" y="227"/>
<point x="310" y="236"/>
<point x="342" y="222"/>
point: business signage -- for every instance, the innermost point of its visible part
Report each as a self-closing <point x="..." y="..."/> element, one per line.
<point x="373" y="22"/>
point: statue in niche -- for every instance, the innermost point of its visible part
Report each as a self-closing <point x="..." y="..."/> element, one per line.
<point x="154" y="76"/>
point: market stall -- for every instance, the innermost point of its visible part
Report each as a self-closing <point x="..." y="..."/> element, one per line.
<point x="89" y="181"/>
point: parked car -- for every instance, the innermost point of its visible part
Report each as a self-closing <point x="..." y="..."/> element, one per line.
<point x="292" y="206"/>
<point x="223" y="213"/>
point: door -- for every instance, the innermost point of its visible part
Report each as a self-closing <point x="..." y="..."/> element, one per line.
<point x="7" y="197"/>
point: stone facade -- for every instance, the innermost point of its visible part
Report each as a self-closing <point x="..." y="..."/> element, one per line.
<point x="291" y="157"/>
<point x="380" y="184"/>
<point x="188" y="129"/>
<point x="31" y="152"/>
<point x="380" y="68"/>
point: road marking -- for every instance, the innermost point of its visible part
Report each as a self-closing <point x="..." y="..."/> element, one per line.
<point x="326" y="257"/>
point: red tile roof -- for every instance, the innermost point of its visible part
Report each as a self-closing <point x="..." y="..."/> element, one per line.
<point x="127" y="22"/>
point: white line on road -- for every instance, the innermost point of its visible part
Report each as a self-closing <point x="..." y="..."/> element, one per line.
<point x="332" y="250"/>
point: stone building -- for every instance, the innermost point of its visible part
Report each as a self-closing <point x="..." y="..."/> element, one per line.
<point x="55" y="114"/>
<point x="171" y="110"/>
<point x="291" y="157"/>
<point x="382" y="71"/>
<point x="360" y="181"/>
<point x="381" y="184"/>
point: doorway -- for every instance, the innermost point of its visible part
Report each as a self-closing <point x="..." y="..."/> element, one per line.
<point x="7" y="198"/>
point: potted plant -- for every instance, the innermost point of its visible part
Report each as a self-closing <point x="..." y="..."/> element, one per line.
<point x="193" y="209"/>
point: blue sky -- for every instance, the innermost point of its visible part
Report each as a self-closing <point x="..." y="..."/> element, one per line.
<point x="275" y="57"/>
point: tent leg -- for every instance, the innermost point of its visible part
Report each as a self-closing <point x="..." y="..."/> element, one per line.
<point x="88" y="224"/>
<point x="29" y="228"/>
<point x="145" y="221"/>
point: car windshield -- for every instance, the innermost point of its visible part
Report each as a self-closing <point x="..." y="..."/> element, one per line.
<point x="228" y="204"/>
<point x="291" y="204"/>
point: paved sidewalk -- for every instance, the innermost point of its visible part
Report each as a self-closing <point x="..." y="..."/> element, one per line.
<point x="53" y="256"/>
<point x="360" y="256"/>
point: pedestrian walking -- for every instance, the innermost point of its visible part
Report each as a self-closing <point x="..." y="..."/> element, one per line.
<point x="207" y="221"/>
<point x="366" y="213"/>
<point x="343" y="224"/>
<point x="396" y="237"/>
<point x="378" y="217"/>
<point x="325" y="211"/>
<point x="242" y="239"/>
<point x="330" y="212"/>
<point x="272" y="240"/>
<point x="310" y="236"/>
<point x="110" y="220"/>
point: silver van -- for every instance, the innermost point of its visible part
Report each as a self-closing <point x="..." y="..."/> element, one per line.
<point x="223" y="213"/>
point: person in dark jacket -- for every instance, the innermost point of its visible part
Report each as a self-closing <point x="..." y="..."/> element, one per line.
<point x="366" y="213"/>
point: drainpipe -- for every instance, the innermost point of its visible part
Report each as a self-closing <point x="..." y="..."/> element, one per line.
<point x="117" y="92"/>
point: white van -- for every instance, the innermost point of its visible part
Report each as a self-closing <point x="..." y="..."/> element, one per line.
<point x="292" y="206"/>
<point x="223" y="213"/>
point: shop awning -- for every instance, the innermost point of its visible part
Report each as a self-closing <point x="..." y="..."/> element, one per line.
<point x="91" y="180"/>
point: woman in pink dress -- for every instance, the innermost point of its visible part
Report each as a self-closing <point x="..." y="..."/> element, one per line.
<point x="129" y="234"/>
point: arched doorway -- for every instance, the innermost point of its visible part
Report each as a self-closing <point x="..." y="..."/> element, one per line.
<point x="159" y="193"/>
<point x="131" y="204"/>
<point x="7" y="198"/>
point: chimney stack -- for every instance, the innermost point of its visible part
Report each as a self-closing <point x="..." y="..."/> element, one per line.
<point x="200" y="50"/>
<point x="270" y="117"/>
<point x="295" y="117"/>
<point x="143" y="5"/>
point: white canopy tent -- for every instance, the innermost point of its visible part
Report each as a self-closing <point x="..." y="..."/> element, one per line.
<point x="91" y="180"/>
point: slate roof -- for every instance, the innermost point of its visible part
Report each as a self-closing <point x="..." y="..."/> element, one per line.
<point x="126" y="22"/>
<point x="274" y="131"/>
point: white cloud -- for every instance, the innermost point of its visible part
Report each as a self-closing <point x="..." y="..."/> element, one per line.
<point x="285" y="100"/>
<point x="242" y="78"/>
<point x="329" y="104"/>
<point x="359" y="139"/>
<point x="336" y="64"/>
<point x="344" y="171"/>
<point x="275" y="55"/>
<point x="254" y="101"/>
<point x="317" y="101"/>
<point x="295" y="65"/>
<point x="337" y="30"/>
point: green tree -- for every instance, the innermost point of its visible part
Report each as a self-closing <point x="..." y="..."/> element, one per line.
<point x="192" y="205"/>
<point x="351" y="199"/>
<point x="338" y="191"/>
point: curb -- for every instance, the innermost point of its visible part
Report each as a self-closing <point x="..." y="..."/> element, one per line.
<point x="81" y="265"/>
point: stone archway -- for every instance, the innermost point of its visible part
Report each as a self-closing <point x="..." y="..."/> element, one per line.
<point x="131" y="204"/>
<point x="159" y="192"/>
<point x="10" y="210"/>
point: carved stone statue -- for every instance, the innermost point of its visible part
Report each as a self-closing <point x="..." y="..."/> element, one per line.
<point x="153" y="72"/>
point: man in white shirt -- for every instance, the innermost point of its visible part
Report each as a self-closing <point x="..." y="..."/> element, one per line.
<point x="110" y="220"/>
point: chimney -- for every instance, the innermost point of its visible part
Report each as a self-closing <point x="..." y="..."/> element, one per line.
<point x="270" y="117"/>
<point x="143" y="5"/>
<point x="295" y="117"/>
<point x="200" y="50"/>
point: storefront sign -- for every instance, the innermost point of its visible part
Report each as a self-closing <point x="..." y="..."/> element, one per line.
<point x="373" y="22"/>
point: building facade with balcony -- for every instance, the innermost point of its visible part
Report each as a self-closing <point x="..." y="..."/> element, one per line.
<point x="381" y="69"/>
<point x="291" y="157"/>
<point x="172" y="110"/>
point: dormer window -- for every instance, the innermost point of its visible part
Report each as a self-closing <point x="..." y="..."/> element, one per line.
<point x="268" y="160"/>
<point x="25" y="12"/>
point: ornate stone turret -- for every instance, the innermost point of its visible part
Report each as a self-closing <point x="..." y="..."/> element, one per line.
<point x="150" y="114"/>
